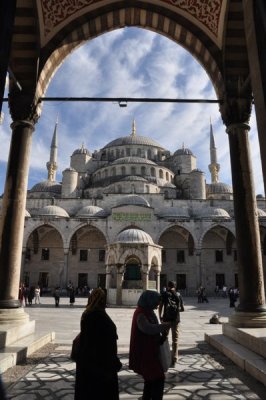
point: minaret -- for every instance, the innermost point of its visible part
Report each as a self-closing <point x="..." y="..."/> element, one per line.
<point x="134" y="131"/>
<point x="214" y="167"/>
<point x="52" y="164"/>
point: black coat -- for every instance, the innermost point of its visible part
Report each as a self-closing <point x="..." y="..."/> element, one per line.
<point x="97" y="361"/>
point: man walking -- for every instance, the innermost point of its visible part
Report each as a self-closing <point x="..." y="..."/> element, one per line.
<point x="170" y="306"/>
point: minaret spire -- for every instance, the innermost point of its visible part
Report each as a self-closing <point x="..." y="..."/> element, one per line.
<point x="134" y="131"/>
<point x="214" y="167"/>
<point x="52" y="164"/>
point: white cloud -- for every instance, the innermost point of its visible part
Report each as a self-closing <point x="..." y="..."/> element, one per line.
<point x="131" y="63"/>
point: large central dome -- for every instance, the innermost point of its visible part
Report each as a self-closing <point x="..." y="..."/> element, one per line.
<point x="134" y="139"/>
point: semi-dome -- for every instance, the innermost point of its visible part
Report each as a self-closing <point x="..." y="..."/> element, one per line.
<point x="135" y="140"/>
<point x="133" y="200"/>
<point x="47" y="186"/>
<point x="91" y="211"/>
<point x="183" y="152"/>
<point x="133" y="160"/>
<point x="134" y="236"/>
<point x="211" y="212"/>
<point x="219" y="188"/>
<point x="174" y="212"/>
<point x="50" y="211"/>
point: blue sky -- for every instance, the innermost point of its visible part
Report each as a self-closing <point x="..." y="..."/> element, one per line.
<point x="129" y="62"/>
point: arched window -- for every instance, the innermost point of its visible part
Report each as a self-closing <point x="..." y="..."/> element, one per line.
<point x="123" y="170"/>
<point x="113" y="171"/>
<point x="143" y="171"/>
<point x="133" y="170"/>
<point x="139" y="152"/>
<point x="147" y="189"/>
<point x="161" y="173"/>
<point x="152" y="171"/>
<point x="167" y="176"/>
<point x="106" y="173"/>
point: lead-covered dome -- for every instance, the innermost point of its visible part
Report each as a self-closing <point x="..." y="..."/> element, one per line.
<point x="133" y="140"/>
<point x="50" y="211"/>
<point x="82" y="150"/>
<point x="47" y="186"/>
<point x="91" y="211"/>
<point x="183" y="152"/>
<point x="133" y="200"/>
<point x="134" y="236"/>
<point x="219" y="188"/>
<point x="211" y="213"/>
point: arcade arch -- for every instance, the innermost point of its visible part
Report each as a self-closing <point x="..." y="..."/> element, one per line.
<point x="178" y="258"/>
<point x="219" y="259"/>
<point x="44" y="258"/>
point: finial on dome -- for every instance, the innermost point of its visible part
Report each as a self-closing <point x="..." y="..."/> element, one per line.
<point x="133" y="133"/>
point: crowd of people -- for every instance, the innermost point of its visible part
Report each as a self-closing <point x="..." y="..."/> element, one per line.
<point x="97" y="362"/>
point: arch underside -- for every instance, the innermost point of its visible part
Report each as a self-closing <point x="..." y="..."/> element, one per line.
<point x="178" y="23"/>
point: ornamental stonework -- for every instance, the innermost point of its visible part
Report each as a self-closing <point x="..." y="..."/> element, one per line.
<point x="207" y="12"/>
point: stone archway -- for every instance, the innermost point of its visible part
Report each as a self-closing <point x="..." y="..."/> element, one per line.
<point x="209" y="34"/>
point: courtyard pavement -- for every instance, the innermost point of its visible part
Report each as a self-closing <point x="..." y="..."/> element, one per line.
<point x="201" y="372"/>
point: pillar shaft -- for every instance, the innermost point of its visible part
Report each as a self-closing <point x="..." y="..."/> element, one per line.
<point x="13" y="213"/>
<point x="250" y="271"/>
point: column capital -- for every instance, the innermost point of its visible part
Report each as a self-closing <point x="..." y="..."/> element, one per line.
<point x="236" y="109"/>
<point x="23" y="106"/>
<point x="232" y="128"/>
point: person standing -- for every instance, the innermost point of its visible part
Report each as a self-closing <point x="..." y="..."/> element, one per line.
<point x="71" y="296"/>
<point x="37" y="293"/>
<point x="146" y="336"/>
<point x="169" y="312"/>
<point x="57" y="296"/>
<point x="97" y="362"/>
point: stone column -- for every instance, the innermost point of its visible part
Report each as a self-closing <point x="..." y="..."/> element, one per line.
<point x="13" y="213"/>
<point x="200" y="280"/>
<point x="252" y="309"/>
<point x="119" y="281"/>
<point x="65" y="268"/>
<point x="145" y="277"/>
<point x="255" y="31"/>
<point x="158" y="281"/>
<point x="108" y="277"/>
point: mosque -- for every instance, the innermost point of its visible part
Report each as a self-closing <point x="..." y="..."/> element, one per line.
<point x="129" y="217"/>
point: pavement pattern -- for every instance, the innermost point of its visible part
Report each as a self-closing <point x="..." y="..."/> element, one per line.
<point x="201" y="371"/>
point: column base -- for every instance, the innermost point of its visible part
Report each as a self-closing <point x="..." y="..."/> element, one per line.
<point x="11" y="316"/>
<point x="9" y="304"/>
<point x="248" y="319"/>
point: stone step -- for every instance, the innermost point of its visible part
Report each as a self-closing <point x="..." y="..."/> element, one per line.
<point x="21" y="349"/>
<point x="253" y="339"/>
<point x="12" y="333"/>
<point x="251" y="362"/>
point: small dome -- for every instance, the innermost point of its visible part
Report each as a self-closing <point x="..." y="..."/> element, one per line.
<point x="47" y="186"/>
<point x="50" y="211"/>
<point x="133" y="160"/>
<point x="219" y="188"/>
<point x="212" y="212"/>
<point x="134" y="140"/>
<point x="174" y="212"/>
<point x="132" y="200"/>
<point x="134" y="236"/>
<point x="90" y="211"/>
<point x="183" y="152"/>
<point x="82" y="150"/>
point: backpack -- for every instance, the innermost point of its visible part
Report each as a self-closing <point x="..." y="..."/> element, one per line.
<point x="171" y="307"/>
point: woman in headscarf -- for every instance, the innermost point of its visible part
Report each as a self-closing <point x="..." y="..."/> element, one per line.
<point x="146" y="336"/>
<point x="97" y="363"/>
